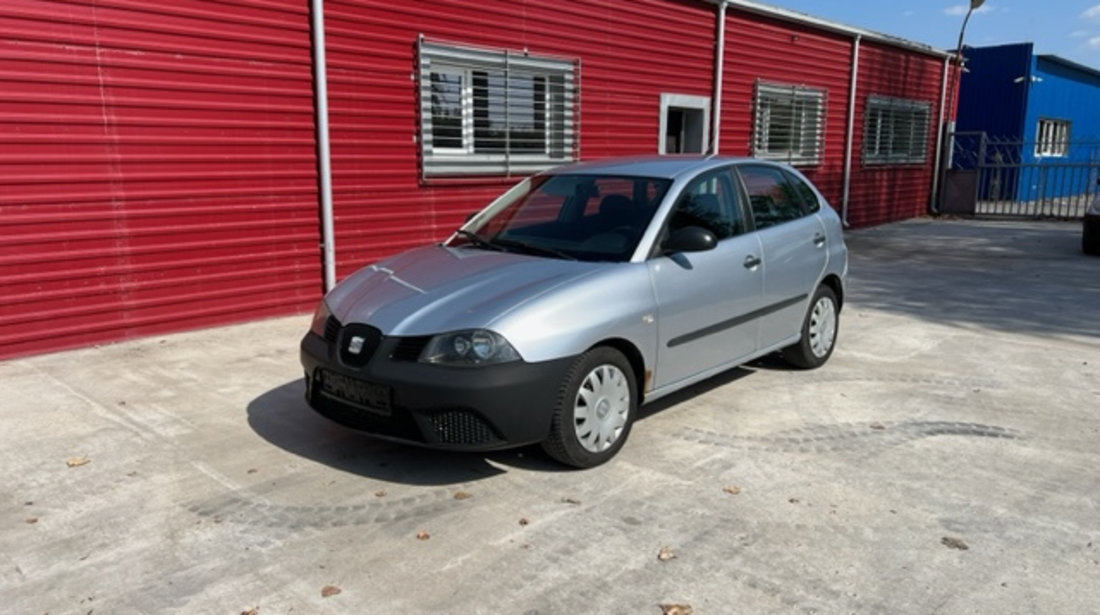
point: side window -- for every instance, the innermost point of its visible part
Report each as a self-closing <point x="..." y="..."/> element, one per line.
<point x="810" y="202"/>
<point x="712" y="202"/>
<point x="773" y="195"/>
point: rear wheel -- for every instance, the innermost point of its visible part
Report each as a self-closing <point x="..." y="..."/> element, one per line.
<point x="594" y="411"/>
<point x="819" y="331"/>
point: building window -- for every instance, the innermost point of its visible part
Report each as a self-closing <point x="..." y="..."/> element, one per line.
<point x="896" y="131"/>
<point x="684" y="124"/>
<point x="487" y="112"/>
<point x="1052" y="138"/>
<point x="789" y="123"/>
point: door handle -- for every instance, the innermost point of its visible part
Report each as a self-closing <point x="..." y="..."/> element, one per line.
<point x="819" y="239"/>
<point x="752" y="261"/>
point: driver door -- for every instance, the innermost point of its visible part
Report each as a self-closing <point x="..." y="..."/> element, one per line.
<point x="705" y="300"/>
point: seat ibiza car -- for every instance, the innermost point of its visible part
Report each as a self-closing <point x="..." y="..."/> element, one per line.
<point x="576" y="296"/>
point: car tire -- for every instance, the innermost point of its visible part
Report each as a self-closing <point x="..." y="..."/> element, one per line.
<point x="1090" y="242"/>
<point x="595" y="409"/>
<point x="819" y="330"/>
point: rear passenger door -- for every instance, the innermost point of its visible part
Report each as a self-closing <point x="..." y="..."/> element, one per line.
<point x="792" y="238"/>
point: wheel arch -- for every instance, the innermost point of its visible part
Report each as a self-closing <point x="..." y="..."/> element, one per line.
<point x="634" y="357"/>
<point x="834" y="284"/>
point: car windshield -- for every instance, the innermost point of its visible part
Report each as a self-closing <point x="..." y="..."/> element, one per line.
<point x="581" y="217"/>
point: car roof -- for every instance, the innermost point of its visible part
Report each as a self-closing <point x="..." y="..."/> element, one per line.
<point x="670" y="166"/>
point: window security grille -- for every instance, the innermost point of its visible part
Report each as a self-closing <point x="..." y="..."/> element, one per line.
<point x="789" y="123"/>
<point x="1052" y="138"/>
<point x="896" y="131"/>
<point x="486" y="112"/>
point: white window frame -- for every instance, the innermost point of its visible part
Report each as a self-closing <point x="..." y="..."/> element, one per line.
<point x="683" y="101"/>
<point x="1052" y="138"/>
<point x="884" y="120"/>
<point x="805" y="121"/>
<point x="559" y="114"/>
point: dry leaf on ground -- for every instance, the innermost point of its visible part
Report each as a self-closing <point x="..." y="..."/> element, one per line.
<point x="462" y="495"/>
<point x="74" y="462"/>
<point x="666" y="554"/>
<point x="676" y="609"/>
<point x="523" y="521"/>
<point x="252" y="611"/>
<point x="954" y="543"/>
<point x="423" y="535"/>
<point x="330" y="590"/>
<point x="572" y="501"/>
<point x="732" y="489"/>
<point x="380" y="493"/>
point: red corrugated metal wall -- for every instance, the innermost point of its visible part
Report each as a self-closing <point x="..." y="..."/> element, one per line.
<point x="788" y="53"/>
<point x="885" y="193"/>
<point x="630" y="52"/>
<point x="158" y="168"/>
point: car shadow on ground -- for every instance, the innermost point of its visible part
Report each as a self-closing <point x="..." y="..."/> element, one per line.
<point x="282" y="417"/>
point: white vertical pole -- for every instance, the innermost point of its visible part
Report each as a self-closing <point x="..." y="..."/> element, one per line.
<point x="320" y="93"/>
<point x="850" y="136"/>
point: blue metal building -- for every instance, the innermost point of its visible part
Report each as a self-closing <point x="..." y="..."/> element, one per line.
<point x="1031" y="122"/>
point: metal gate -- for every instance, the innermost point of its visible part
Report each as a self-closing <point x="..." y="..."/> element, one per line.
<point x="996" y="177"/>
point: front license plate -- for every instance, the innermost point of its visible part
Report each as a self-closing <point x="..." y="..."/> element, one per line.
<point x="359" y="393"/>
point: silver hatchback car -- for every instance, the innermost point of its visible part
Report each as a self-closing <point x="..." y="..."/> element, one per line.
<point x="576" y="296"/>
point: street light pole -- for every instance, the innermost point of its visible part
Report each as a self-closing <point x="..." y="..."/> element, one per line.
<point x="949" y="126"/>
<point x="955" y="83"/>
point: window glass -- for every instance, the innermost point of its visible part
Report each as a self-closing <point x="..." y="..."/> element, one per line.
<point x="788" y="123"/>
<point x="896" y="131"/>
<point x="585" y="217"/>
<point x="495" y="112"/>
<point x="712" y="202"/>
<point x="774" y="196"/>
<point x="1052" y="138"/>
<point x="447" y="114"/>
<point x="810" y="202"/>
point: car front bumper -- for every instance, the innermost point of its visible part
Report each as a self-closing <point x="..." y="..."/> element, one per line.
<point x="460" y="408"/>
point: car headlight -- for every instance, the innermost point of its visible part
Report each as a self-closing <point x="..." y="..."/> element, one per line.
<point x="471" y="347"/>
<point x="320" y="315"/>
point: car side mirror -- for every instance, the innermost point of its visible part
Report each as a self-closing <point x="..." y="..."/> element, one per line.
<point x="690" y="239"/>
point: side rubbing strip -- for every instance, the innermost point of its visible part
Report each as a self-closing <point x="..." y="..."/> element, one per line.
<point x="733" y="322"/>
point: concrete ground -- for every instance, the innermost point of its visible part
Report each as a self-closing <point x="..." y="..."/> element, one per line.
<point x="946" y="460"/>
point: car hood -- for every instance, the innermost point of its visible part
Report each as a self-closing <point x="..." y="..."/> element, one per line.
<point x="436" y="289"/>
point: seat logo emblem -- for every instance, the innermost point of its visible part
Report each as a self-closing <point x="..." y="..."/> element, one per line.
<point x="355" y="346"/>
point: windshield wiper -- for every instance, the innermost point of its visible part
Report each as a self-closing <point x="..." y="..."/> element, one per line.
<point x="534" y="249"/>
<point x="478" y="240"/>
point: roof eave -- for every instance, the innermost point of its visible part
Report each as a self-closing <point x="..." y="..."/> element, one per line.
<point x="832" y="26"/>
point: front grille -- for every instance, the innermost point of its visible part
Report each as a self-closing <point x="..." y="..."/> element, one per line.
<point x="462" y="427"/>
<point x="409" y="348"/>
<point x="358" y="343"/>
<point x="332" y="329"/>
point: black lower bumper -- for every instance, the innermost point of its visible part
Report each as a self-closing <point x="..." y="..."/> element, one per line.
<point x="462" y="408"/>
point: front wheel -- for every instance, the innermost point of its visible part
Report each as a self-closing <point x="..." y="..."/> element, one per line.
<point x="595" y="409"/>
<point x="818" y="331"/>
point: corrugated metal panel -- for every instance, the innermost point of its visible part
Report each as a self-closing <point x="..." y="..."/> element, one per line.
<point x="885" y="193"/>
<point x="158" y="169"/>
<point x="630" y="51"/>
<point x="758" y="49"/>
